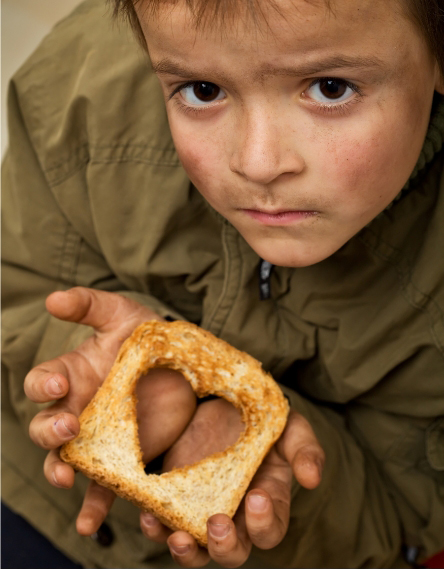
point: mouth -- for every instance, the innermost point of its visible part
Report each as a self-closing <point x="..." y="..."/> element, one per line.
<point x="279" y="217"/>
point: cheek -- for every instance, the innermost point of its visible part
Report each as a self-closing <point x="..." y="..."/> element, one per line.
<point x="201" y="159"/>
<point x="191" y="155"/>
<point x="356" y="163"/>
<point x="375" y="155"/>
<point x="369" y="163"/>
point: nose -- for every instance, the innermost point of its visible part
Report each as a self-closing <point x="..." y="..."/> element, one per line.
<point x="264" y="148"/>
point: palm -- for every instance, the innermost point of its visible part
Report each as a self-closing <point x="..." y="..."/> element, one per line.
<point x="86" y="367"/>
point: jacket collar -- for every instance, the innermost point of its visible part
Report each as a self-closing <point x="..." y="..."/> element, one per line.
<point x="433" y="143"/>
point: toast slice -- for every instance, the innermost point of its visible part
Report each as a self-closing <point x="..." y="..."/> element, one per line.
<point x="107" y="448"/>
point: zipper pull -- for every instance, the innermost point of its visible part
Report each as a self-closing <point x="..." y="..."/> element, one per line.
<point x="265" y="270"/>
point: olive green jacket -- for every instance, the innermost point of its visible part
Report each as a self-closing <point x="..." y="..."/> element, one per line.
<point x="94" y="195"/>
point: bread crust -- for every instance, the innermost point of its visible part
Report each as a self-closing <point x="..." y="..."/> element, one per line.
<point x="107" y="448"/>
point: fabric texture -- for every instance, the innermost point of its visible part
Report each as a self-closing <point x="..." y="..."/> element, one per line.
<point x="94" y="195"/>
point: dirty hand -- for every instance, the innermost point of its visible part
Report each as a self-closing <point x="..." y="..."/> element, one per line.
<point x="263" y="516"/>
<point x="166" y="400"/>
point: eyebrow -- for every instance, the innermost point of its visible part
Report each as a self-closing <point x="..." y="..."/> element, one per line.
<point x="325" y="64"/>
<point x="168" y="67"/>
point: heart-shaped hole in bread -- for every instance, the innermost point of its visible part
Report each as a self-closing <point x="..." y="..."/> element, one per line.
<point x="168" y="437"/>
<point x="107" y="448"/>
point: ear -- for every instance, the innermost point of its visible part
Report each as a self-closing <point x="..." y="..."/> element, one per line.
<point x="439" y="84"/>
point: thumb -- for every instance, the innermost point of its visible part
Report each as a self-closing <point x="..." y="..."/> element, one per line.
<point x="104" y="311"/>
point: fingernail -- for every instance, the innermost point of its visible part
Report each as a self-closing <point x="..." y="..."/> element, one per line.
<point x="257" y="502"/>
<point x="218" y="530"/>
<point x="54" y="478"/>
<point x="53" y="387"/>
<point x="180" y="549"/>
<point x="62" y="430"/>
<point x="149" y="520"/>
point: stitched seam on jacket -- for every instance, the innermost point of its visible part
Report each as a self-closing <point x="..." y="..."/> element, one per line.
<point x="137" y="160"/>
<point x="81" y="157"/>
<point x="434" y="449"/>
<point x="82" y="150"/>
<point x="66" y="175"/>
<point x="425" y="303"/>
<point x="225" y="303"/>
<point x="69" y="257"/>
<point x="238" y="274"/>
<point x="227" y="271"/>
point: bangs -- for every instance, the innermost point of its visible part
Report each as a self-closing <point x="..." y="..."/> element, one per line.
<point x="223" y="14"/>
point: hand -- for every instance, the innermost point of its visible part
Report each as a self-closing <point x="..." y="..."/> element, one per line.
<point x="166" y="400"/>
<point x="263" y="517"/>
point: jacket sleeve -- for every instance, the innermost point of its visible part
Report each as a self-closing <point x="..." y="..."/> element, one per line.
<point x="380" y="497"/>
<point x="41" y="253"/>
<point x="350" y="519"/>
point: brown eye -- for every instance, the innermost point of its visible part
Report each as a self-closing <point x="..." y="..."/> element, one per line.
<point x="206" y="92"/>
<point x="332" y="88"/>
<point x="201" y="93"/>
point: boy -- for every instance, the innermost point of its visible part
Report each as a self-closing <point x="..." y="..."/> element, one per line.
<point x="309" y="236"/>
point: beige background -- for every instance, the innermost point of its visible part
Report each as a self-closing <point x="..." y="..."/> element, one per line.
<point x="23" y="24"/>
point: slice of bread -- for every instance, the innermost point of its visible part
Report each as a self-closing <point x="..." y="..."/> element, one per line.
<point x="107" y="448"/>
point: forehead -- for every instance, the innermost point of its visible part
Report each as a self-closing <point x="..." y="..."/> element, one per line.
<point x="279" y="27"/>
<point x="222" y="14"/>
<point x="259" y="15"/>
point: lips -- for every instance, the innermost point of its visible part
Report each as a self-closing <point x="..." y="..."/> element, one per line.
<point x="279" y="217"/>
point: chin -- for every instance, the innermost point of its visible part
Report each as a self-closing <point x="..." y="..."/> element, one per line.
<point x="291" y="254"/>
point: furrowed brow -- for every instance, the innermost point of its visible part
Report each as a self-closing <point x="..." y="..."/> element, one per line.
<point x="168" y="67"/>
<point x="336" y="62"/>
<point x="324" y="65"/>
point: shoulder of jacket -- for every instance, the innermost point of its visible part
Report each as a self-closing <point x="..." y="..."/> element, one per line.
<point x="88" y="91"/>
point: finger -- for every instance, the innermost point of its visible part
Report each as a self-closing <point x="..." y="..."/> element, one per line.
<point x="57" y="472"/>
<point x="266" y="519"/>
<point x="102" y="310"/>
<point x="47" y="382"/>
<point x="300" y="447"/>
<point x="228" y="544"/>
<point x="83" y="305"/>
<point x="215" y="425"/>
<point x="96" y="505"/>
<point x="185" y="550"/>
<point x="165" y="404"/>
<point x="153" y="529"/>
<point x="307" y="466"/>
<point x="49" y="429"/>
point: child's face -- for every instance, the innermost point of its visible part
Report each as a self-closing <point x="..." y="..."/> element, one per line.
<point x="301" y="130"/>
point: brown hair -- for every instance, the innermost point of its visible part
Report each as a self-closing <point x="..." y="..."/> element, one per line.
<point x="428" y="15"/>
